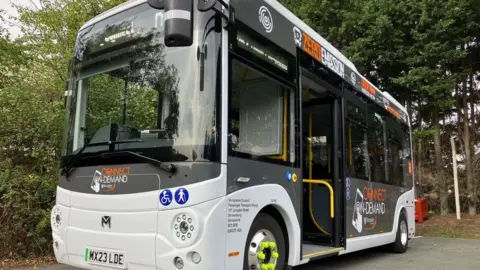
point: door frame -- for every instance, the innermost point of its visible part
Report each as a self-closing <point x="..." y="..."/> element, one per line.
<point x="336" y="98"/>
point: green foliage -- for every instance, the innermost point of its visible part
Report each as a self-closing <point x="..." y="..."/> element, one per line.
<point x="423" y="134"/>
<point x="324" y="16"/>
<point x="32" y="79"/>
<point x="30" y="136"/>
<point x="12" y="57"/>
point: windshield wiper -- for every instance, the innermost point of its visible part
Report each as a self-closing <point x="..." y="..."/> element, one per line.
<point x="70" y="165"/>
<point x="166" y="167"/>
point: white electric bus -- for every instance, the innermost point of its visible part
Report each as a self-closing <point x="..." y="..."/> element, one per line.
<point x="205" y="134"/>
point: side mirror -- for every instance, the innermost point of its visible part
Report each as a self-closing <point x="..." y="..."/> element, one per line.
<point x="178" y="20"/>
<point x="206" y="5"/>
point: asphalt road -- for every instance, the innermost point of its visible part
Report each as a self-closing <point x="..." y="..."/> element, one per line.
<point x="423" y="253"/>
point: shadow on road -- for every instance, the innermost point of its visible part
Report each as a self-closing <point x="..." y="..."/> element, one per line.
<point x="350" y="261"/>
<point x="422" y="254"/>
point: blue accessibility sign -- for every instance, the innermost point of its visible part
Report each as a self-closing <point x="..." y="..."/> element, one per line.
<point x="289" y="176"/>
<point x="166" y="197"/>
<point x="181" y="196"/>
<point x="347" y="189"/>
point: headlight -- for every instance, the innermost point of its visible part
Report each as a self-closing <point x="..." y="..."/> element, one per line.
<point x="56" y="218"/>
<point x="185" y="228"/>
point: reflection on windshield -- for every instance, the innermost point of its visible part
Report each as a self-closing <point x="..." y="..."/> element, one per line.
<point x="143" y="95"/>
<point x="144" y="89"/>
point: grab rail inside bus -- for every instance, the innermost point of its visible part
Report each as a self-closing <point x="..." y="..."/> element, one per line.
<point x="324" y="182"/>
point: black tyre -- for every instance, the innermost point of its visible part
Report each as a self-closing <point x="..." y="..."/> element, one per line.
<point x="259" y="250"/>
<point x="401" y="241"/>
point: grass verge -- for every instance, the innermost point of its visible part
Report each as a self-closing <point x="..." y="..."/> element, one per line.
<point x="449" y="227"/>
<point x="9" y="264"/>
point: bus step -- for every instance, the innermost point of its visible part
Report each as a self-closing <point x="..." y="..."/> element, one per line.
<point x="315" y="251"/>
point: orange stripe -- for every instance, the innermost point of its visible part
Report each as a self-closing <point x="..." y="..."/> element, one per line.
<point x="311" y="47"/>
<point x="368" y="87"/>
<point x="393" y="111"/>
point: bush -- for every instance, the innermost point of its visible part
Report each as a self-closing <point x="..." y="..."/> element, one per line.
<point x="30" y="139"/>
<point x="25" y="211"/>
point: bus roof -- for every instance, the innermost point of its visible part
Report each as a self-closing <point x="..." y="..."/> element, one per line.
<point x="255" y="14"/>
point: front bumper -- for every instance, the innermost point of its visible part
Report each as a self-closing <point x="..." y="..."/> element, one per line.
<point x="149" y="239"/>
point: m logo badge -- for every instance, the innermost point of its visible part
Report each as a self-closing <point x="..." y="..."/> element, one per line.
<point x="106" y="220"/>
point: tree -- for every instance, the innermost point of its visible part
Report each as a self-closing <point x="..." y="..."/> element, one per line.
<point x="33" y="70"/>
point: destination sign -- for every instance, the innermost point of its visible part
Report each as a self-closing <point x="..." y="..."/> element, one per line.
<point x="111" y="36"/>
<point x="265" y="53"/>
<point x="123" y="29"/>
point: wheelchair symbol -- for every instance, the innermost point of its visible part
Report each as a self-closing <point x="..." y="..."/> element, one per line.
<point x="166" y="197"/>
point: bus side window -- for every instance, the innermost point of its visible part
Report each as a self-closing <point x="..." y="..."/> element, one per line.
<point x="376" y="143"/>
<point x="259" y="115"/>
<point x="394" y="151"/>
<point x="357" y="158"/>
<point x="407" y="159"/>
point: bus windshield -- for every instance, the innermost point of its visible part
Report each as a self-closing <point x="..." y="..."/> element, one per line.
<point x="158" y="97"/>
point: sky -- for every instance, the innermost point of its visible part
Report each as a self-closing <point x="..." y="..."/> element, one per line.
<point x="11" y="11"/>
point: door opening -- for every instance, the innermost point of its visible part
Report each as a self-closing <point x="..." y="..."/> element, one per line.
<point x="320" y="117"/>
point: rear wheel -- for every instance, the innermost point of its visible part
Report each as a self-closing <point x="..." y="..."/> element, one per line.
<point x="265" y="247"/>
<point x="401" y="241"/>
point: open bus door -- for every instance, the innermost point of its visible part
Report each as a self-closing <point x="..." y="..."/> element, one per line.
<point x="323" y="163"/>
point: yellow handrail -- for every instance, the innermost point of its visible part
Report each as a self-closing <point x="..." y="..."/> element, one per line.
<point x="324" y="182"/>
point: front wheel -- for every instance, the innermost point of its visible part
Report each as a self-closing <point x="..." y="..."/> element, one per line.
<point x="265" y="247"/>
<point x="401" y="241"/>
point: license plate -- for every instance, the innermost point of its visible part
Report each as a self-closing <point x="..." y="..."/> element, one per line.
<point x="104" y="257"/>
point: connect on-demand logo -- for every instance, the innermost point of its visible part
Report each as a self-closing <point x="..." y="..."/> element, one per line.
<point x="107" y="179"/>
